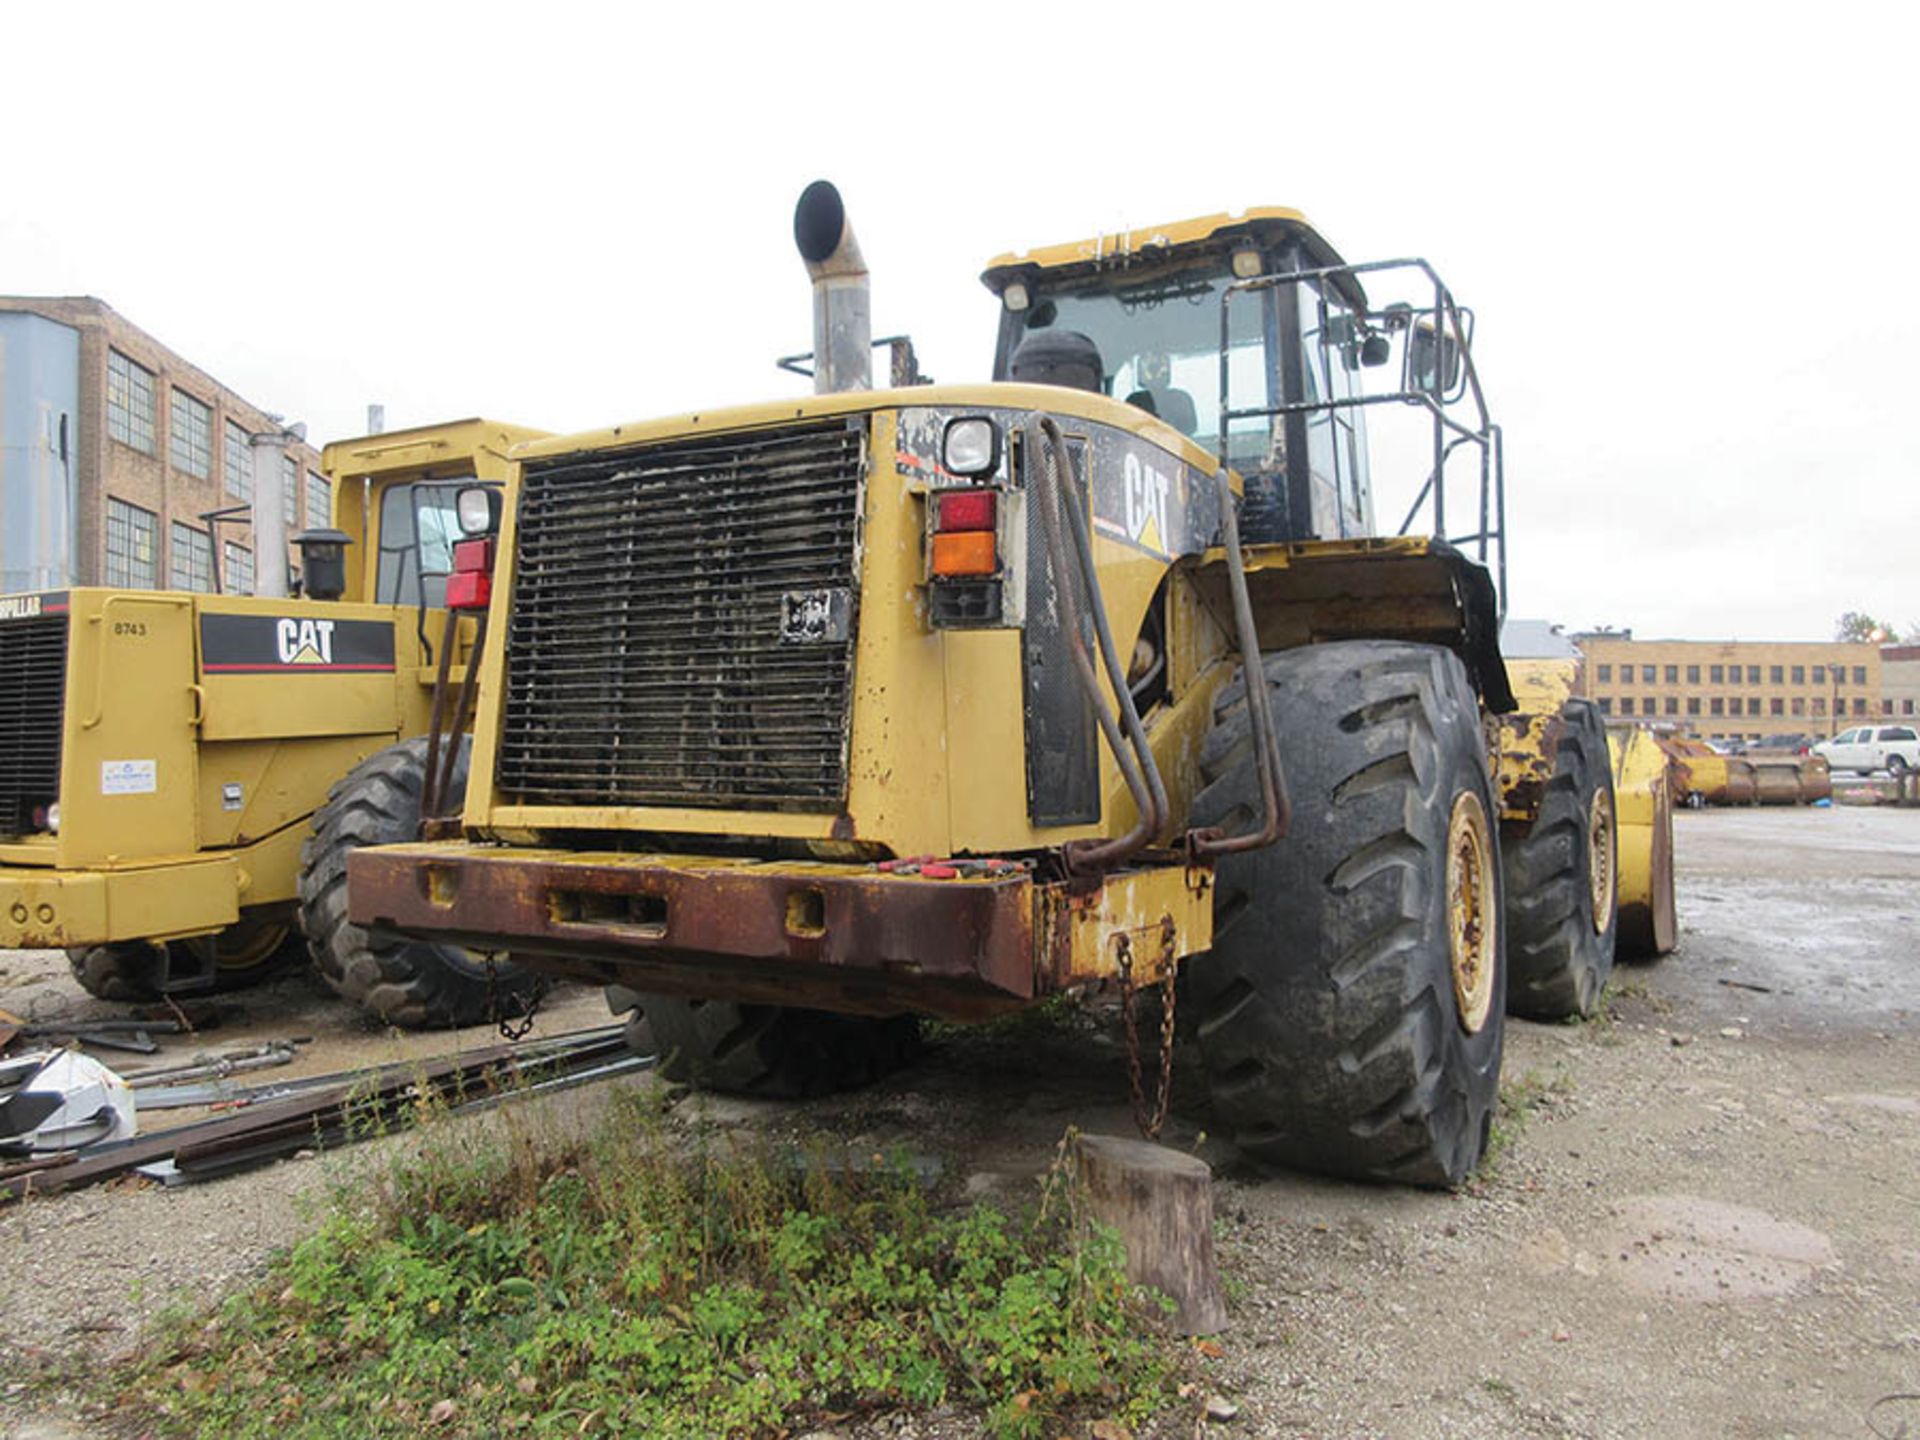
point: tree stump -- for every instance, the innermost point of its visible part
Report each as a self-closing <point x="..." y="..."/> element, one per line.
<point x="1161" y="1202"/>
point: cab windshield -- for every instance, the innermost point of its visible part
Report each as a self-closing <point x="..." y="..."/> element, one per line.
<point x="1159" y="346"/>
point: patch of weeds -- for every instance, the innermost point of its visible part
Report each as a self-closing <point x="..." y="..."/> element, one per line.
<point x="1062" y="1013"/>
<point x="630" y="1279"/>
<point x="1520" y="1098"/>
<point x="1495" y="1386"/>
<point x="1606" y="1014"/>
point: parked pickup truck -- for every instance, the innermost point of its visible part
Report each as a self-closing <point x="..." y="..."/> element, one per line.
<point x="1867" y="748"/>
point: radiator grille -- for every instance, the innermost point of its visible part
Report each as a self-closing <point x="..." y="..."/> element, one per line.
<point x="33" y="686"/>
<point x="646" y="663"/>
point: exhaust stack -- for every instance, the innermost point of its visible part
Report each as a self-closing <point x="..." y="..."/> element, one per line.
<point x="842" y="313"/>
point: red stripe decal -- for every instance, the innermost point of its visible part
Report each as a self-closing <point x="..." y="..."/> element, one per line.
<point x="213" y="667"/>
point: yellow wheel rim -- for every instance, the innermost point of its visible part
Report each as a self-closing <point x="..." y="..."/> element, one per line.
<point x="251" y="946"/>
<point x="1602" y="867"/>
<point x="1472" y="941"/>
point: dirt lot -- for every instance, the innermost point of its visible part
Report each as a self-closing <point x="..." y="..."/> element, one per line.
<point x="1702" y="1219"/>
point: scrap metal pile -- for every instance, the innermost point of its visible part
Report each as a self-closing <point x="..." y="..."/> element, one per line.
<point x="67" y="1120"/>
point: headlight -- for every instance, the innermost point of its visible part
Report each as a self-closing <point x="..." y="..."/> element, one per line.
<point x="478" y="507"/>
<point x="971" y="446"/>
<point x="53" y="817"/>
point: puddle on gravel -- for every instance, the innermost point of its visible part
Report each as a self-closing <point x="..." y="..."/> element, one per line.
<point x="1680" y="1247"/>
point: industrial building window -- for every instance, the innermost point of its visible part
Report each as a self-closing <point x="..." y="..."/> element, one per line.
<point x="1736" y="706"/>
<point x="1819" y="705"/>
<point x="1886" y="707"/>
<point x="1717" y="673"/>
<point x="1799" y="705"/>
<point x="1649" y="706"/>
<point x="239" y="569"/>
<point x="1626" y="704"/>
<point x="190" y="435"/>
<point x="1859" y="706"/>
<point x="1778" y="706"/>
<point x="319" y="502"/>
<point x="1647" y="672"/>
<point x="1673" y="705"/>
<point x="1693" y="705"/>
<point x="1776" y="674"/>
<point x="191" y="558"/>
<point x="1606" y="674"/>
<point x="1693" y="674"/>
<point x="1799" y="674"/>
<point x="1606" y="704"/>
<point x="130" y="415"/>
<point x="1753" y="675"/>
<point x="1716" y="706"/>
<point x="238" y="463"/>
<point x="1859" y="674"/>
<point x="1906" y="707"/>
<point x="1673" y="674"/>
<point x="130" y="546"/>
<point x="290" y="489"/>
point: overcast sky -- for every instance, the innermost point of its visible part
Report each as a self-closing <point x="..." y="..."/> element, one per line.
<point x="1687" y="236"/>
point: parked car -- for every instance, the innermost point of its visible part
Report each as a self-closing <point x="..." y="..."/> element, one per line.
<point x="1793" y="743"/>
<point x="1867" y="748"/>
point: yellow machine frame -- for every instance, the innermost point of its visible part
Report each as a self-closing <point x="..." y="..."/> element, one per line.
<point x="187" y="786"/>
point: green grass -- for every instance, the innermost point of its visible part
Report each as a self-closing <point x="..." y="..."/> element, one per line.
<point x="641" y="1278"/>
<point x="1519" y="1098"/>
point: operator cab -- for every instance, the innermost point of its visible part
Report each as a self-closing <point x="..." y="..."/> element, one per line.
<point x="1144" y="314"/>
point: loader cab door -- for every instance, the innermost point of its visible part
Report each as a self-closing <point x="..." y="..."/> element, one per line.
<point x="1327" y="449"/>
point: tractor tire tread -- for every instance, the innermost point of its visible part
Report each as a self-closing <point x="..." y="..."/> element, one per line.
<point x="1325" y="1011"/>
<point x="414" y="984"/>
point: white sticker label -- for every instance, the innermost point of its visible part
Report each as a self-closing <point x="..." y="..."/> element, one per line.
<point x="232" y="797"/>
<point x="128" y="777"/>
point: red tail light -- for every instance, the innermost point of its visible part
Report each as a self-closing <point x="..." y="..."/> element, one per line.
<point x="966" y="510"/>
<point x="470" y="587"/>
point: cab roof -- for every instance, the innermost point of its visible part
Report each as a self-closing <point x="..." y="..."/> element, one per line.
<point x="1266" y="225"/>
<point x="444" y="443"/>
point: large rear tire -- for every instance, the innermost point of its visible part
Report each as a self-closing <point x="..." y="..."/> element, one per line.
<point x="1562" y="875"/>
<point x="772" y="1050"/>
<point x="415" y="984"/>
<point x="245" y="953"/>
<point x="1350" y="1015"/>
<point x="126" y="973"/>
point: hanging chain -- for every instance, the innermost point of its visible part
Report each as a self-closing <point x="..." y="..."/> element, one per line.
<point x="1148" y="1120"/>
<point x="515" y="1018"/>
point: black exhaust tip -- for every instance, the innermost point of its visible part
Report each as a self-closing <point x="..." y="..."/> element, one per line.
<point x="818" y="221"/>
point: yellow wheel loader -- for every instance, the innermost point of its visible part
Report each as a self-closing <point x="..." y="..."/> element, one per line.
<point x="182" y="775"/>
<point x="818" y="716"/>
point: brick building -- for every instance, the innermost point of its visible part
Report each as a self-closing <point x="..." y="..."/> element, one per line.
<point x="1736" y="689"/>
<point x="112" y="450"/>
<point x="1900" y="680"/>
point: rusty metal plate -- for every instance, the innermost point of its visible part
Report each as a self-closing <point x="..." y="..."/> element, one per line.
<point x="841" y="937"/>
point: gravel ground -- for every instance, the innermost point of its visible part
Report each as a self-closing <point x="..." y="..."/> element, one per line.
<point x="1702" y="1221"/>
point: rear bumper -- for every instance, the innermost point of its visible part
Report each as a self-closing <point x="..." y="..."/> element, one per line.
<point x="839" y="937"/>
<point x="48" y="909"/>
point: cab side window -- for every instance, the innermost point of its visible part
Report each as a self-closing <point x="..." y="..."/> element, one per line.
<point x="418" y="528"/>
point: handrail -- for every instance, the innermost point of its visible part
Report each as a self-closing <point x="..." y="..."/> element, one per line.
<point x="1278" y="805"/>
<point x="1054" y="473"/>
<point x="1447" y="327"/>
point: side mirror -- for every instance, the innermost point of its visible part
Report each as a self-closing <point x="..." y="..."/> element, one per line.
<point x="478" y="509"/>
<point x="1434" y="359"/>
